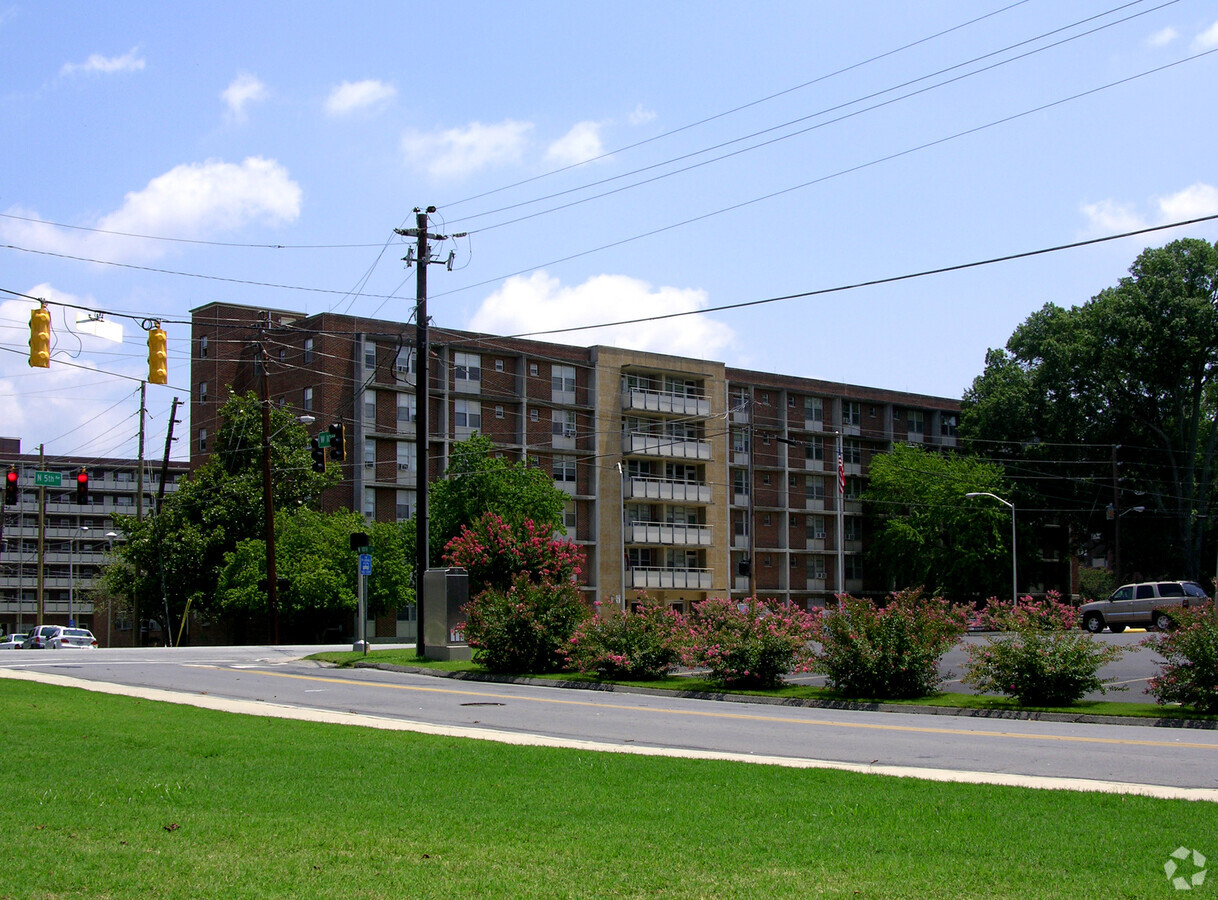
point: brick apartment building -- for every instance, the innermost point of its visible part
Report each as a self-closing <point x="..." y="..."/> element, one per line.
<point x="679" y="470"/>
<point x="77" y="539"/>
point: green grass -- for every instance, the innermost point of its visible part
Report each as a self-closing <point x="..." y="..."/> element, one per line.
<point x="121" y="798"/>
<point x="991" y="703"/>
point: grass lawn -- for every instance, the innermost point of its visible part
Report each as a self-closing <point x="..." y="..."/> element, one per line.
<point x="121" y="798"/>
<point x="407" y="657"/>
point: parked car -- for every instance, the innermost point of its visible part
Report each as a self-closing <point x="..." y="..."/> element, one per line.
<point x="38" y="638"/>
<point x="12" y="642"/>
<point x="1148" y="604"/>
<point x="72" y="639"/>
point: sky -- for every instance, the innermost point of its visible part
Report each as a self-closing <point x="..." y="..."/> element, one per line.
<point x="591" y="162"/>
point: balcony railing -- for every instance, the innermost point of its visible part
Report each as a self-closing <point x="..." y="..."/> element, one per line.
<point x="663" y="402"/>
<point x="678" y="579"/>
<point x="671" y="534"/>
<point x="661" y="445"/>
<point x="643" y="488"/>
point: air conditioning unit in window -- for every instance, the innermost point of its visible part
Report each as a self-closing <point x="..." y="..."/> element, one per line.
<point x="818" y="535"/>
<point x="403" y="467"/>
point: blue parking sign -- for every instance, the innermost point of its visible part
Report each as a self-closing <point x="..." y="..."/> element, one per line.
<point x="365" y="563"/>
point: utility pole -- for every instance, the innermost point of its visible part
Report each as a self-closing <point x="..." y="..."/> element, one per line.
<point x="422" y="414"/>
<point x="139" y="514"/>
<point x="268" y="509"/>
<point x="160" y="494"/>
<point x="1116" y="517"/>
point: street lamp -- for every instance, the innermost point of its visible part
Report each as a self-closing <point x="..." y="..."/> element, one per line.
<point x="110" y="536"/>
<point x="1014" y="578"/>
<point x="72" y="577"/>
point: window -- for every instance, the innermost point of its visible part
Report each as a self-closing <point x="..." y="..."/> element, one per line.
<point x="815" y="487"/>
<point x="370" y="406"/>
<point x="740" y="482"/>
<point x="854" y="488"/>
<point x="308" y="351"/>
<point x="532" y="415"/>
<point x="369" y="355"/>
<point x="306" y="402"/>
<point x="283" y="354"/>
<point x="121" y="476"/>
<point x="564" y="423"/>
<point x="794" y="562"/>
<point x="854" y="567"/>
<point x="814" y="409"/>
<point x="815" y="448"/>
<point x="917" y="421"/>
<point x="740" y="440"/>
<point x="791" y="480"/>
<point x="124" y="500"/>
<point x="765" y="520"/>
<point x="854" y="529"/>
<point x="562" y="379"/>
<point x="370" y="454"/>
<point x="852" y="452"/>
<point x="791" y="401"/>
<point x="405" y="362"/>
<point x="369" y="503"/>
<point x="498" y="412"/>
<point x="406" y="408"/>
<point x="498" y="365"/>
<point x="765" y="479"/>
<point x="203" y="347"/>
<point x="569" y="518"/>
<point x="564" y="469"/>
<point x="404" y="505"/>
<point x="765" y="438"/>
<point x="766" y="561"/>
<point x="467" y="414"/>
<point x="852" y="413"/>
<point x="765" y="398"/>
<point x="202" y="440"/>
<point x="407" y="457"/>
<point x="533" y="369"/>
<point x="816" y="527"/>
<point x="467" y="367"/>
<point x="948" y="425"/>
<point x="202" y="391"/>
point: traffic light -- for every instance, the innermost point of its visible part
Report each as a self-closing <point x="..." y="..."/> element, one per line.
<point x="40" y="338"/>
<point x="158" y="355"/>
<point x="82" y="487"/>
<point x="10" y="487"/>
<point x="338" y="442"/>
<point x="319" y="456"/>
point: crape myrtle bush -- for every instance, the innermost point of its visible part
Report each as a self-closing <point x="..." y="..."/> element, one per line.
<point x="889" y="651"/>
<point x="1189" y="675"/>
<point x="493" y="553"/>
<point x="1041" y="660"/>
<point x="524" y="628"/>
<point x="632" y="645"/>
<point x="751" y="644"/>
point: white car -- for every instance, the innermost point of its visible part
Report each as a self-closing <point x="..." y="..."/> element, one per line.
<point x="12" y="642"/>
<point x="72" y="639"/>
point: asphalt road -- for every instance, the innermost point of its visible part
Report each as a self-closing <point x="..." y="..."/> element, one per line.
<point x="275" y="681"/>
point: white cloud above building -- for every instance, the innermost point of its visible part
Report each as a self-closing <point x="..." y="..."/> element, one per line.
<point x="241" y="92"/>
<point x="580" y="144"/>
<point x="350" y="97"/>
<point x="458" y="152"/>
<point x="97" y="64"/>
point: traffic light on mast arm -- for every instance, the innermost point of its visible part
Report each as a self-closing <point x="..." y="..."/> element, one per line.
<point x="158" y="355"/>
<point x="40" y="338"/>
<point x="319" y="456"/>
<point x="338" y="442"/>
<point x="82" y="487"/>
<point x="10" y="487"/>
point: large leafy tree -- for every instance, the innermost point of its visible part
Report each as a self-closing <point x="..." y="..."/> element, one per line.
<point x="927" y="534"/>
<point x="1127" y="378"/>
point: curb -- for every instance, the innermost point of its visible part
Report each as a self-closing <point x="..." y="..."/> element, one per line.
<point x="1027" y="715"/>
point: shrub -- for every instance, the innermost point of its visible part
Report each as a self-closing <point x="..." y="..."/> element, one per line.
<point x="1039" y="666"/>
<point x="750" y="644"/>
<point x="493" y="553"/>
<point x="1190" y="674"/>
<point x="522" y="629"/>
<point x="1050" y="614"/>
<point x="633" y="645"/>
<point x="887" y="652"/>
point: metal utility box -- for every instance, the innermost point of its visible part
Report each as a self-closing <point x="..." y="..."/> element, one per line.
<point x="445" y="591"/>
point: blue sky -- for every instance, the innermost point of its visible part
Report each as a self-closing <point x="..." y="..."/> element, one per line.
<point x="251" y="144"/>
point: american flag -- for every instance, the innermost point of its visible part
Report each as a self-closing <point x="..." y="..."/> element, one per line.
<point x="841" y="475"/>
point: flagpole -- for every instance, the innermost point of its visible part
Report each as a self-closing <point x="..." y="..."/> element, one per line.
<point x="841" y="519"/>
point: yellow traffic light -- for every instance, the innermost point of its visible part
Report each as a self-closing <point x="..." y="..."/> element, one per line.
<point x="40" y="338"/>
<point x="158" y="355"/>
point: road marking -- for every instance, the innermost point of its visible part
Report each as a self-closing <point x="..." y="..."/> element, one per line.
<point x="751" y="717"/>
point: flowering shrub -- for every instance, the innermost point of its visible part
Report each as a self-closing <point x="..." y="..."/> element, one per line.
<point x="522" y="629"/>
<point x="752" y="644"/>
<point x="1050" y="614"/>
<point x="887" y="652"/>
<point x="1039" y="666"/>
<point x="633" y="645"/>
<point x="493" y="553"/>
<point x="1190" y="674"/>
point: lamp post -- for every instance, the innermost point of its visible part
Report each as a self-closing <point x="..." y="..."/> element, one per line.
<point x="110" y="536"/>
<point x="1014" y="577"/>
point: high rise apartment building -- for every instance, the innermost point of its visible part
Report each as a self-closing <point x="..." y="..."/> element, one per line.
<point x="687" y="479"/>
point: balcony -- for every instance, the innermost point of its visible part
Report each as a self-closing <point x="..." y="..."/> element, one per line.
<point x="816" y="542"/>
<point x="663" y="402"/>
<point x="640" y="488"/>
<point x="673" y="579"/>
<point x="675" y="534"/>
<point x="637" y="444"/>
<point x="816" y="582"/>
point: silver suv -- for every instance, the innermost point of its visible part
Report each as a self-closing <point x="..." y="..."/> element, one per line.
<point x="1148" y="604"/>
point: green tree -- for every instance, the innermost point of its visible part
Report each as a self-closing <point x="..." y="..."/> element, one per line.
<point x="926" y="534"/>
<point x="478" y="481"/>
<point x="1134" y="367"/>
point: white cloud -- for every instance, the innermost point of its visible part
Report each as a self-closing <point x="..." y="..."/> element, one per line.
<point x="462" y="151"/>
<point x="1191" y="203"/>
<point x="1163" y="37"/>
<point x="540" y="301"/>
<point x="1108" y="216"/>
<point x="352" y="96"/>
<point x="193" y="200"/>
<point x="105" y="65"/>
<point x="245" y="89"/>
<point x="1208" y="39"/>
<point x="580" y="144"/>
<point x="641" y="115"/>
